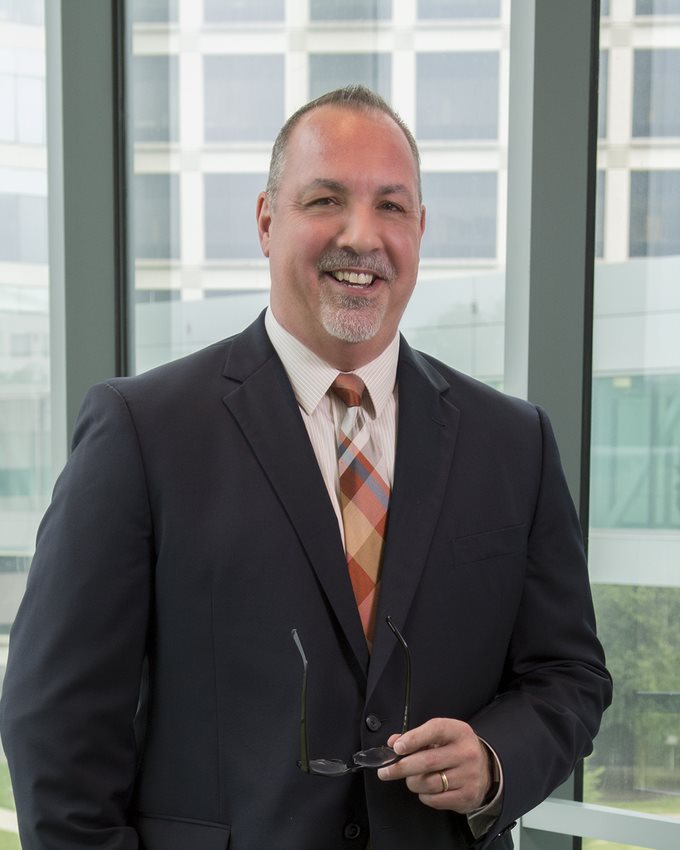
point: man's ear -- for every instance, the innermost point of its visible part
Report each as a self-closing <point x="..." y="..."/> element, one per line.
<point x="264" y="221"/>
<point x="422" y="220"/>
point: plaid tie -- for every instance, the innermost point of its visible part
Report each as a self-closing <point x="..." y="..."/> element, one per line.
<point x="364" y="499"/>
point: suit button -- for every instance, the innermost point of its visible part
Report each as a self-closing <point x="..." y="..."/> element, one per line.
<point x="374" y="723"/>
<point x="352" y="831"/>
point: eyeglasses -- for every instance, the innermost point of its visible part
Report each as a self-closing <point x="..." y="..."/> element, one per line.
<point x="373" y="757"/>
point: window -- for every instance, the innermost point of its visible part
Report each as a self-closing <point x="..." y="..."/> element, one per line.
<point x="348" y="10"/>
<point x="30" y="12"/>
<point x="459" y="8"/>
<point x="23" y="235"/>
<point x="603" y="99"/>
<point x="636" y="452"/>
<point x="156" y="216"/>
<point x="243" y="97"/>
<point x="461" y="211"/>
<point x="457" y="95"/>
<point x="654" y="213"/>
<point x="656" y="105"/>
<point x="243" y="10"/>
<point x="156" y="296"/>
<point x="635" y="439"/>
<point x="155" y="117"/>
<point x="22" y="96"/>
<point x="599" y="213"/>
<point x="328" y="71"/>
<point x="25" y="422"/>
<point x="657" y="7"/>
<point x="230" y="231"/>
<point x="154" y="11"/>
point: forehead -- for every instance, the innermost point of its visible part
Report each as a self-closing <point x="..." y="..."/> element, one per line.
<point x="334" y="139"/>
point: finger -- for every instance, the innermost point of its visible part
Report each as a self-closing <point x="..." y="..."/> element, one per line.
<point x="432" y="733"/>
<point x="431" y="783"/>
<point x="431" y="760"/>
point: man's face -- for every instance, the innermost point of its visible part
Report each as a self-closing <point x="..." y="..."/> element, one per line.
<point x="343" y="234"/>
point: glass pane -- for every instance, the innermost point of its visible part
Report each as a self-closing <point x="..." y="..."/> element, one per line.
<point x="25" y="450"/>
<point x="457" y="95"/>
<point x="243" y="97"/>
<point x="154" y="11"/>
<point x="207" y="107"/>
<point x="656" y="105"/>
<point x="328" y="71"/>
<point x="243" y="10"/>
<point x="459" y="8"/>
<point x="462" y="210"/>
<point x="657" y="7"/>
<point x="635" y="460"/>
<point x="154" y="116"/>
<point x="347" y="10"/>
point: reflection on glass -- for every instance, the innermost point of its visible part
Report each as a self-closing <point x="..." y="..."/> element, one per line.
<point x="156" y="216"/>
<point x="243" y="97"/>
<point x="328" y="71"/>
<point x="229" y="218"/>
<point x="25" y="467"/>
<point x="347" y="10"/>
<point x="462" y="210"/>
<point x="243" y="10"/>
<point x="656" y="105"/>
<point x="457" y="95"/>
<point x="459" y="8"/>
<point x="206" y="106"/>
<point x="635" y="459"/>
<point x="654" y="213"/>
<point x="657" y="7"/>
<point x="154" y="117"/>
<point x="153" y="11"/>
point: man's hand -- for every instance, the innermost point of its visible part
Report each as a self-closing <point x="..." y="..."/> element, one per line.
<point x="440" y="748"/>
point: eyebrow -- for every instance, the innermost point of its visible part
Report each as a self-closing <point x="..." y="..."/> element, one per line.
<point x="337" y="186"/>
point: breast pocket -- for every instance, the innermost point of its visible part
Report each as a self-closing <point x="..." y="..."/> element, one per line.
<point x="485" y="545"/>
<point x="165" y="833"/>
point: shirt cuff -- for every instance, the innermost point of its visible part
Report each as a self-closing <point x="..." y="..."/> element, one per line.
<point x="481" y="820"/>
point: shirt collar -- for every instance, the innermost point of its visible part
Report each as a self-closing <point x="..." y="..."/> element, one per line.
<point x="310" y="376"/>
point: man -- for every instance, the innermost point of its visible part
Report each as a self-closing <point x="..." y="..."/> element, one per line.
<point x="153" y="691"/>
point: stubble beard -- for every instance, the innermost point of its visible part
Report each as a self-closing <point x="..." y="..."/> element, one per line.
<point x="351" y="318"/>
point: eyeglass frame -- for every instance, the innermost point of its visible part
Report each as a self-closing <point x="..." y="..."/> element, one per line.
<point x="304" y="762"/>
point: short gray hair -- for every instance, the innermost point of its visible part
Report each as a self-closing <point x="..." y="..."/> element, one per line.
<point x="356" y="97"/>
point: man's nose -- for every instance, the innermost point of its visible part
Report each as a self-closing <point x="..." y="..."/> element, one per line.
<point x="360" y="232"/>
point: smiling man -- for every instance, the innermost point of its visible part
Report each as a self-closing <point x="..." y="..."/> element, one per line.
<point x="307" y="589"/>
<point x="341" y="222"/>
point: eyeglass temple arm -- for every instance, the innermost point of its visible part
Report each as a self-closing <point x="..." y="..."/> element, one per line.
<point x="304" y="743"/>
<point x="407" y="654"/>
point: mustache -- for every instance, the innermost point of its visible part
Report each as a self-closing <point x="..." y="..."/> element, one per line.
<point x="344" y="259"/>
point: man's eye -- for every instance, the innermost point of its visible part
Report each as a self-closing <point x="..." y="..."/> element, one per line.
<point x="322" y="202"/>
<point x="391" y="207"/>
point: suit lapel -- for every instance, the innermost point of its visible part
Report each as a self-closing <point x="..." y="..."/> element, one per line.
<point x="426" y="437"/>
<point x="262" y="402"/>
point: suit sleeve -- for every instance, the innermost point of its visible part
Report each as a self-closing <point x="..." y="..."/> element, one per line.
<point x="556" y="686"/>
<point x="77" y="646"/>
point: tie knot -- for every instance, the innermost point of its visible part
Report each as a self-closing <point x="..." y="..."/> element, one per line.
<point x="349" y="388"/>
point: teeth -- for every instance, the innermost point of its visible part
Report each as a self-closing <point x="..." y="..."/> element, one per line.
<point x="354" y="278"/>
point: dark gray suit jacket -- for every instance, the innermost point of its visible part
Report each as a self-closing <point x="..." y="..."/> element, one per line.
<point x="191" y="530"/>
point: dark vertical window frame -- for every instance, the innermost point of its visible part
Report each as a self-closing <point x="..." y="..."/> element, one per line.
<point x="122" y="163"/>
<point x="588" y="313"/>
<point x="82" y="203"/>
<point x="554" y="59"/>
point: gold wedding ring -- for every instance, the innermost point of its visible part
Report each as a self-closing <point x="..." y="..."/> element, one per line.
<point x="445" y="782"/>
